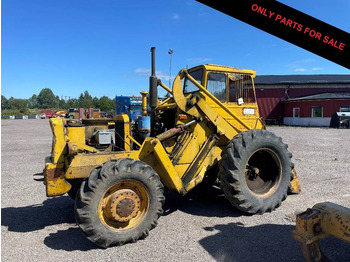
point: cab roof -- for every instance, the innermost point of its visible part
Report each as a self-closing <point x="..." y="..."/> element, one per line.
<point x="225" y="69"/>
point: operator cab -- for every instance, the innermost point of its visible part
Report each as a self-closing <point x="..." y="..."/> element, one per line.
<point x="227" y="84"/>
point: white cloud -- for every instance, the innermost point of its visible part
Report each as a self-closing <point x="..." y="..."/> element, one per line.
<point x="300" y="70"/>
<point x="146" y="72"/>
<point x="305" y="65"/>
<point x="176" y="16"/>
<point x="317" y="69"/>
<point x="198" y="60"/>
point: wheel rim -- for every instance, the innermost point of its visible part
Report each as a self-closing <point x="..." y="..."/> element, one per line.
<point x="263" y="172"/>
<point x="124" y="205"/>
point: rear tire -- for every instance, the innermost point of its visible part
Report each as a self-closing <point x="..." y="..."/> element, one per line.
<point x="119" y="202"/>
<point x="75" y="183"/>
<point x="256" y="171"/>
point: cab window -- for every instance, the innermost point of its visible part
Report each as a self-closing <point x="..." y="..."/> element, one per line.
<point x="240" y="87"/>
<point x="216" y="84"/>
<point x="189" y="87"/>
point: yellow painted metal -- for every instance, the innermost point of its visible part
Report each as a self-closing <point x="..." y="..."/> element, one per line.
<point x="71" y="140"/>
<point x="226" y="69"/>
<point x="166" y="88"/>
<point x="221" y="113"/>
<point x="144" y="102"/>
<point x="59" y="140"/>
<point x="76" y="140"/>
<point x="55" y="181"/>
<point x="82" y="164"/>
<point x="74" y="148"/>
<point x="205" y="158"/>
<point x="125" y="122"/>
<point x="152" y="152"/>
<point x="224" y="128"/>
<point x="76" y="134"/>
<point x="133" y="140"/>
<point x="180" y="99"/>
<point x="192" y="143"/>
<point x="91" y="125"/>
<point x="199" y="148"/>
<point x="323" y="220"/>
<point x="294" y="184"/>
<point x="110" y="208"/>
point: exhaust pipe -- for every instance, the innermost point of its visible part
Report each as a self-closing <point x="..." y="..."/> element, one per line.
<point x="153" y="82"/>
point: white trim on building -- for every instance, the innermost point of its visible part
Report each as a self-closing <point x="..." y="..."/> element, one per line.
<point x="306" y="121"/>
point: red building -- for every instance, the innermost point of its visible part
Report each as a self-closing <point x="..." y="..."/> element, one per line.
<point x="277" y="96"/>
<point x="315" y="110"/>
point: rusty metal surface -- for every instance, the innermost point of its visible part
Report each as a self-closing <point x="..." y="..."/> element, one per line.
<point x="322" y="221"/>
<point x="169" y="134"/>
<point x="124" y="205"/>
<point x="54" y="174"/>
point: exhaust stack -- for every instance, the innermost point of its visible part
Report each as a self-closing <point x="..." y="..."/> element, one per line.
<point x="153" y="82"/>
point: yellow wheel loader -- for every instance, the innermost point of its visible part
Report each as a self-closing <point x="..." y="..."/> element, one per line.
<point x="117" y="170"/>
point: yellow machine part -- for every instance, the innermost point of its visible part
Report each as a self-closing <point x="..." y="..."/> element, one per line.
<point x="70" y="141"/>
<point x="294" y="184"/>
<point x="200" y="148"/>
<point x="323" y="220"/>
<point x="82" y="164"/>
<point x="55" y="181"/>
<point x="230" y="118"/>
<point x="153" y="153"/>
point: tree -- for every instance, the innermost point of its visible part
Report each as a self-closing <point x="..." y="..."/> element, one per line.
<point x="96" y="102"/>
<point x="46" y="99"/>
<point x="33" y="101"/>
<point x="72" y="103"/>
<point x="4" y="103"/>
<point x="85" y="100"/>
<point x="62" y="103"/>
<point x="17" y="104"/>
<point x="106" y="104"/>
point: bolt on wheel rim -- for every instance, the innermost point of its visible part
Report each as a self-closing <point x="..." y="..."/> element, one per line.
<point x="124" y="205"/>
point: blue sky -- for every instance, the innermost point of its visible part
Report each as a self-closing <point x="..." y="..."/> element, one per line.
<point x="103" y="46"/>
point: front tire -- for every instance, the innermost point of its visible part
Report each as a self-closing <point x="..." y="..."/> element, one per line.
<point x="119" y="202"/>
<point x="256" y="171"/>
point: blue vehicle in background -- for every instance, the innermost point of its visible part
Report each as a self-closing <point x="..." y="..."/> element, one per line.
<point x="130" y="105"/>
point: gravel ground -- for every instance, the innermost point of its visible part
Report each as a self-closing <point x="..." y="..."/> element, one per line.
<point x="202" y="226"/>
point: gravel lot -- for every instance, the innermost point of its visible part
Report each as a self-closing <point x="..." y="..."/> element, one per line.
<point x="201" y="226"/>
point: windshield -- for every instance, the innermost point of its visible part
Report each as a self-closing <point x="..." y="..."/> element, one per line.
<point x="189" y="87"/>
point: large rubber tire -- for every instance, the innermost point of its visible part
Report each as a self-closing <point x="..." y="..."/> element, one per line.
<point x="75" y="183"/>
<point x="256" y="171"/>
<point x="119" y="202"/>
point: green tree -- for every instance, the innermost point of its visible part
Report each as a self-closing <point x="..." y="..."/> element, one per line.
<point x="85" y="100"/>
<point x="46" y="99"/>
<point x="72" y="103"/>
<point x="18" y="104"/>
<point x="62" y="103"/>
<point x="106" y="104"/>
<point x="33" y="101"/>
<point x="4" y="103"/>
<point x="96" y="102"/>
